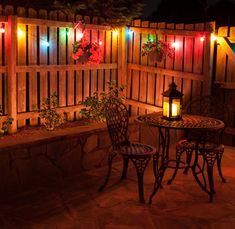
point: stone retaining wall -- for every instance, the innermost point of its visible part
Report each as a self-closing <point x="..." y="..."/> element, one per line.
<point x="53" y="155"/>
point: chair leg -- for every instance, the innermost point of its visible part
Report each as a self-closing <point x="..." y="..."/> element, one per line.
<point x="125" y="167"/>
<point x="189" y="153"/>
<point x="210" y="161"/>
<point x="140" y="165"/>
<point x="110" y="160"/>
<point x="178" y="157"/>
<point x="219" y="159"/>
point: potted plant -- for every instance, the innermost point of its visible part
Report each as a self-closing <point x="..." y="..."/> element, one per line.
<point x="157" y="50"/>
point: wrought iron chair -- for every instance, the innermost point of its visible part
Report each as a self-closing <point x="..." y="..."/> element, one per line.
<point x="210" y="147"/>
<point x="140" y="154"/>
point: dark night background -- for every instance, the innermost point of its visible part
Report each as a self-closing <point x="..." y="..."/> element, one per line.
<point x="170" y="11"/>
<point x="190" y="11"/>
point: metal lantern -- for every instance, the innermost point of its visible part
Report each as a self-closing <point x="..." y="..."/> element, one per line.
<point x="172" y="103"/>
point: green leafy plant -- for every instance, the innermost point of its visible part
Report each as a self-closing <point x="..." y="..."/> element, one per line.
<point x="51" y="118"/>
<point x="6" y="124"/>
<point x="95" y="104"/>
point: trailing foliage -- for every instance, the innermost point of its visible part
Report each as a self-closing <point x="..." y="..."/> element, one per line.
<point x="6" y="124"/>
<point x="95" y="105"/>
<point x="51" y="118"/>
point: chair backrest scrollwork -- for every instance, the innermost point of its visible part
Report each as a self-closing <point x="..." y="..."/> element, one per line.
<point x="210" y="107"/>
<point x="117" y="118"/>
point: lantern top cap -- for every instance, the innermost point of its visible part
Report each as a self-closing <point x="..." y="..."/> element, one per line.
<point x="172" y="92"/>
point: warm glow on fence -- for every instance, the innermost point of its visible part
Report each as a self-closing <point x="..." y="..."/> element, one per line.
<point x="115" y="32"/>
<point x="175" y="44"/>
<point x="45" y="43"/>
<point x="79" y="36"/>
<point x="213" y="37"/>
<point x="20" y="33"/>
<point x="202" y="38"/>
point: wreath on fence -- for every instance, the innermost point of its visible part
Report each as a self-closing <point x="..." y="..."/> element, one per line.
<point x="85" y="52"/>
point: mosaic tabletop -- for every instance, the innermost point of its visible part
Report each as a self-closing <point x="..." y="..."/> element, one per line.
<point x="188" y="122"/>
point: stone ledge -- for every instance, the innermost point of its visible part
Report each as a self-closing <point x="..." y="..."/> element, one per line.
<point x="36" y="156"/>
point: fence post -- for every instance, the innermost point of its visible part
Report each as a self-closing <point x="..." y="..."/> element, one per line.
<point x="122" y="57"/>
<point x="11" y="79"/>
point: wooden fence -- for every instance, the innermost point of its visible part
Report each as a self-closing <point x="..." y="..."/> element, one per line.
<point x="30" y="70"/>
<point x="190" y="68"/>
<point x="224" y="75"/>
<point x="36" y="62"/>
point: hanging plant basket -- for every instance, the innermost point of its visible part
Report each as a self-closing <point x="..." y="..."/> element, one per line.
<point x="157" y="50"/>
<point x="84" y="51"/>
<point x="155" y="56"/>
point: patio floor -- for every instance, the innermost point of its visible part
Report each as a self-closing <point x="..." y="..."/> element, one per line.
<point x="76" y="203"/>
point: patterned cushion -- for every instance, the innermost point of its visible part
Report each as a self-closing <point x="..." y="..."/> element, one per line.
<point x="208" y="146"/>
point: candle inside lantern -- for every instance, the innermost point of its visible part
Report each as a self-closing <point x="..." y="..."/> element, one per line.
<point x="174" y="109"/>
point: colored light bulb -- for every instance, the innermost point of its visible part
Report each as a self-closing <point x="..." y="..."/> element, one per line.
<point x="202" y="39"/>
<point x="100" y="42"/>
<point x="2" y="30"/>
<point x="175" y="44"/>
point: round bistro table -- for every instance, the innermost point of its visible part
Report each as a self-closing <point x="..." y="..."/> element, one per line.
<point x="189" y="122"/>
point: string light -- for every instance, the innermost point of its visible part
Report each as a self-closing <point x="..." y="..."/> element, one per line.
<point x="202" y="38"/>
<point x="100" y="42"/>
<point x="79" y="36"/>
<point x="130" y="32"/>
<point x="46" y="43"/>
<point x="2" y="30"/>
<point x="115" y="32"/>
<point x="20" y="33"/>
<point x="214" y="37"/>
<point x="175" y="44"/>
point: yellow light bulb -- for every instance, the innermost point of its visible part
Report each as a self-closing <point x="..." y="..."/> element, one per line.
<point x="20" y="33"/>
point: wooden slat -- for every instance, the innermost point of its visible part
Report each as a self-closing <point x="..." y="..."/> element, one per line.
<point x="79" y="74"/>
<point x="43" y="77"/>
<point x="197" y="63"/>
<point x="51" y="23"/>
<point x="12" y="41"/>
<point x="188" y="67"/>
<point x="160" y="80"/>
<point x="62" y="67"/>
<point x="71" y="74"/>
<point x="94" y="39"/>
<point x="143" y="105"/>
<point x="162" y="71"/>
<point x="86" y="73"/>
<point x="62" y="60"/>
<point x="169" y="31"/>
<point x="21" y="77"/>
<point x="53" y="56"/>
<point x="107" y="57"/>
<point x="143" y="75"/>
<point x="32" y="60"/>
<point x="151" y="80"/>
<point x="101" y="71"/>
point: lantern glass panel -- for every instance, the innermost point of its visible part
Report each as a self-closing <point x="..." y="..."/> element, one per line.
<point x="175" y="108"/>
<point x="166" y="111"/>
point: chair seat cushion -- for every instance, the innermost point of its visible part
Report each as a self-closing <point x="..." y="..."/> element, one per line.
<point x="137" y="149"/>
<point x="208" y="146"/>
